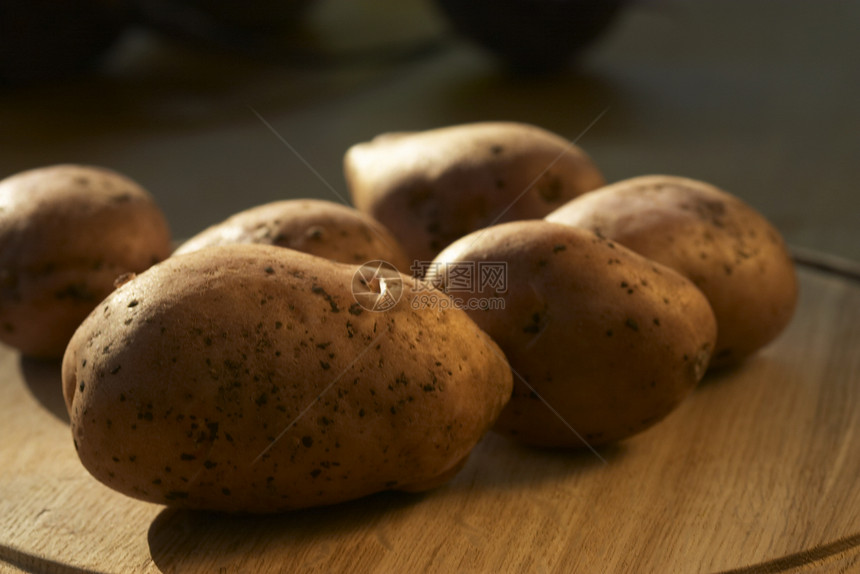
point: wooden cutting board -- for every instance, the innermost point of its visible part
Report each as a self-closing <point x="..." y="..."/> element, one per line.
<point x="756" y="472"/>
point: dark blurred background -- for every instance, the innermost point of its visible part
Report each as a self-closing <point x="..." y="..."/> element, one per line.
<point x="216" y="106"/>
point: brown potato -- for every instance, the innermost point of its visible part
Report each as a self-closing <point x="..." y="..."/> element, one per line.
<point x="321" y="228"/>
<point x="66" y="233"/>
<point x="247" y="378"/>
<point x="729" y="250"/>
<point x="430" y="188"/>
<point x="603" y="343"/>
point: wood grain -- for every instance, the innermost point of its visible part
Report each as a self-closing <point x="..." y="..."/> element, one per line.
<point x="756" y="472"/>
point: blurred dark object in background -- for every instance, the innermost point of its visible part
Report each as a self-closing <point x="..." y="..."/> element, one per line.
<point x="301" y="34"/>
<point x="532" y="36"/>
<point x="42" y="41"/>
<point x="45" y="40"/>
<point x="226" y="22"/>
<point x="48" y="40"/>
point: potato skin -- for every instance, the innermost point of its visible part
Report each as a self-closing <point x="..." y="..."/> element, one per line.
<point x="430" y="188"/>
<point x="729" y="250"/>
<point x="245" y="378"/>
<point x="610" y="340"/>
<point x="321" y="228"/>
<point x="66" y="233"/>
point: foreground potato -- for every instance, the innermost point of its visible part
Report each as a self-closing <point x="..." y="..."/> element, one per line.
<point x="66" y="233"/>
<point x="732" y="253"/>
<point x="322" y="228"/>
<point x="247" y="378"/>
<point x="603" y="342"/>
<point x="430" y="188"/>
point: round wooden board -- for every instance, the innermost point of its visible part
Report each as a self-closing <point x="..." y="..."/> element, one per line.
<point x="755" y="472"/>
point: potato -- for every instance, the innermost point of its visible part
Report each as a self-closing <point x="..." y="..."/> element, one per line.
<point x="603" y="342"/>
<point x="322" y="228"/>
<point x="730" y="251"/>
<point x="246" y="378"/>
<point x="66" y="233"/>
<point x="430" y="188"/>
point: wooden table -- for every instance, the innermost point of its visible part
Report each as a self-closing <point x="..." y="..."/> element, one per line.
<point x="755" y="472"/>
